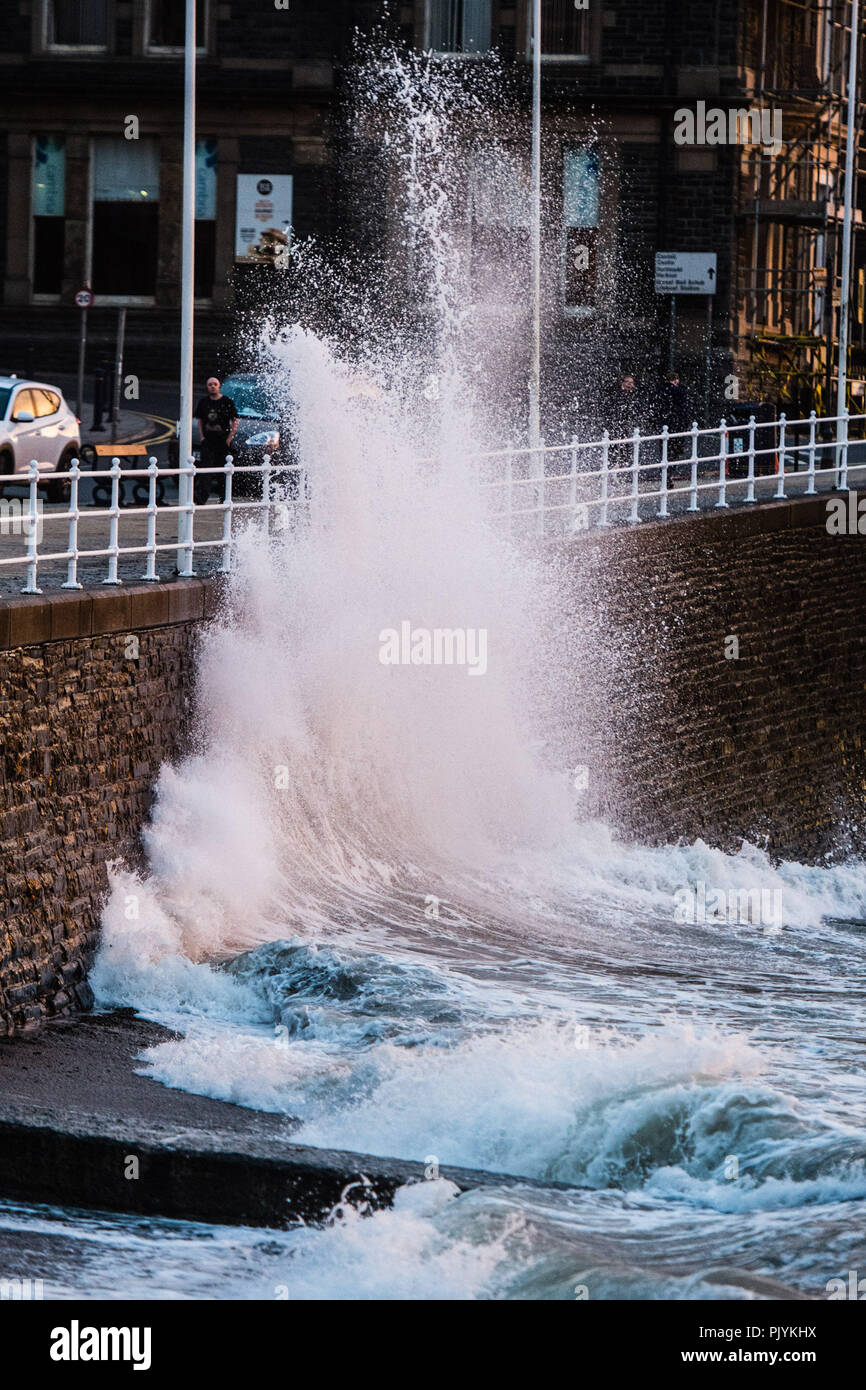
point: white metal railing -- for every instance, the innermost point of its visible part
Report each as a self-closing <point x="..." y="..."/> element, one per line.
<point x="559" y="489"/>
<point x="275" y="500"/>
<point x="546" y="491"/>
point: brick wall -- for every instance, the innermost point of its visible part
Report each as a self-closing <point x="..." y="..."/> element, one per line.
<point x="682" y="742"/>
<point x="85" y="727"/>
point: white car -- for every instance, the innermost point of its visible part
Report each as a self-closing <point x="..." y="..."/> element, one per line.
<point x="36" y="423"/>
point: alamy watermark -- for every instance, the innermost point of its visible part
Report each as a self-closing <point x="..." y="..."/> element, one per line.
<point x="752" y="125"/>
<point x="438" y="646"/>
<point x="16" y="518"/>
<point x="77" y="1343"/>
<point x="853" y="1288"/>
<point x="846" y="516"/>
<point x="21" y="1290"/>
<point x="702" y="905"/>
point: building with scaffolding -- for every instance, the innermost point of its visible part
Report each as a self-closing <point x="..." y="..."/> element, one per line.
<point x="761" y="189"/>
<point x="81" y="203"/>
<point x="786" y="305"/>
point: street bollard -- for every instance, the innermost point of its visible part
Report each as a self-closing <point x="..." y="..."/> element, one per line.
<point x="97" y="426"/>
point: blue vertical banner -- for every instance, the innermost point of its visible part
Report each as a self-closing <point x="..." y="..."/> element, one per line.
<point x="49" y="176"/>
<point x="205" y="180"/>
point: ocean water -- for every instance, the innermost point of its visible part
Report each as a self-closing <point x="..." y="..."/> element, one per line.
<point x="702" y="1090"/>
<point x="700" y="1087"/>
<point x="374" y="902"/>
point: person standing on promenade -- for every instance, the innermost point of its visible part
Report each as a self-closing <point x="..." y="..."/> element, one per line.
<point x="217" y="425"/>
<point x="671" y="408"/>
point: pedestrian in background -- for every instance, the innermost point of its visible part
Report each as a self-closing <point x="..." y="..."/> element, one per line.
<point x="625" y="414"/>
<point x="217" y="425"/>
<point x="626" y="410"/>
<point x="671" y="408"/>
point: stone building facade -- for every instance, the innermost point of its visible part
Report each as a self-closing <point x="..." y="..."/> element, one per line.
<point x="89" y="196"/>
<point x="82" y="203"/>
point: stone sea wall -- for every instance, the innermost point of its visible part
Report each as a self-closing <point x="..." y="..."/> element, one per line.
<point x="716" y="690"/>
<point x="95" y="694"/>
<point x="720" y="679"/>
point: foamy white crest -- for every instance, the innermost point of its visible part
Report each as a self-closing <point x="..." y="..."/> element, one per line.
<point x="324" y="772"/>
<point x="324" y="781"/>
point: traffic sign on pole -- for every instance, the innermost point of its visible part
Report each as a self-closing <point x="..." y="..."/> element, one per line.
<point x="685" y="272"/>
<point x="84" y="299"/>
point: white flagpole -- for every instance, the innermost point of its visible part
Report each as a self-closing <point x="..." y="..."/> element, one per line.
<point x="535" y="364"/>
<point x="184" y="433"/>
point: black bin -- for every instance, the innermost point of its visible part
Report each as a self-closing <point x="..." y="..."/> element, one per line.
<point x="766" y="438"/>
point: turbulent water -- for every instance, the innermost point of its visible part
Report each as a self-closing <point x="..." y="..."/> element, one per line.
<point x="372" y="904"/>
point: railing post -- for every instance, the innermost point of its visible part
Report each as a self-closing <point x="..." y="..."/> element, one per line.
<point x="228" y="513"/>
<point x="150" y="573"/>
<point x="693" y="482"/>
<point x="114" y="525"/>
<point x="635" y="473"/>
<point x="605" y="477"/>
<point x="266" y="491"/>
<point x="572" y="489"/>
<point x="663" y="485"/>
<point x="185" y="518"/>
<point x="843" y="452"/>
<point x="538" y="474"/>
<point x="185" y="504"/>
<point x="811" y="469"/>
<point x="723" y="464"/>
<point x="71" y="580"/>
<point x="780" y="486"/>
<point x="750" y="490"/>
<point x="31" y="586"/>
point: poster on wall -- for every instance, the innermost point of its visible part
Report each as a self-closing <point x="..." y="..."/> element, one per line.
<point x="264" y="219"/>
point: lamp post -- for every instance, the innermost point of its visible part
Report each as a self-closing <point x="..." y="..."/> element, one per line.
<point x="535" y="362"/>
<point x="187" y="296"/>
<point x="850" y="157"/>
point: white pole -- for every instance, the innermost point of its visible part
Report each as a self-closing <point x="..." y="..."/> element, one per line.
<point x="842" y="376"/>
<point x="535" y="365"/>
<point x="185" y="489"/>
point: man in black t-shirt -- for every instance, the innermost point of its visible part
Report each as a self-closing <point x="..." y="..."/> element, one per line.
<point x="217" y="425"/>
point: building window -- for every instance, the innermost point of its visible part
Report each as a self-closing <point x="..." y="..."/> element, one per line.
<point x="458" y="26"/>
<point x="76" y="24"/>
<point x="580" y="222"/>
<point x="205" y="217"/>
<point x="125" y="216"/>
<point x="165" y="26"/>
<point x="565" y="30"/>
<point x="49" y="208"/>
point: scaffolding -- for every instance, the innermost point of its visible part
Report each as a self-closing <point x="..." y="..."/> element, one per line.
<point x="790" y="204"/>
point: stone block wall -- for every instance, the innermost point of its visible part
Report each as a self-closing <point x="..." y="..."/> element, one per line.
<point x="95" y="694"/>
<point x="682" y="741"/>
